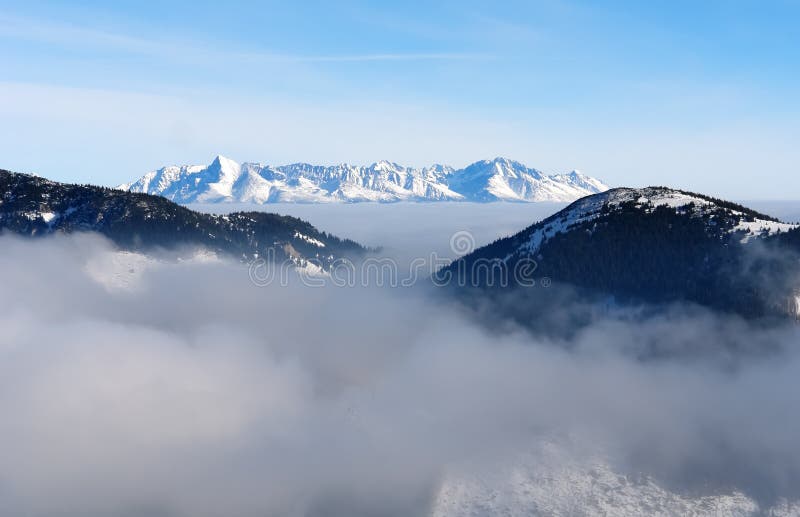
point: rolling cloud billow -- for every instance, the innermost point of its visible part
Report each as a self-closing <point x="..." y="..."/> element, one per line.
<point x="196" y="393"/>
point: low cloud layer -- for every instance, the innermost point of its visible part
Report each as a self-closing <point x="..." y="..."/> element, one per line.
<point x="406" y="231"/>
<point x="199" y="394"/>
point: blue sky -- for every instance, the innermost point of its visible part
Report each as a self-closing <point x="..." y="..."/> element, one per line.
<point x="699" y="95"/>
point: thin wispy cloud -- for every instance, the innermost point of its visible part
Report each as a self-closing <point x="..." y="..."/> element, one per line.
<point x="28" y="29"/>
<point x="185" y="49"/>
<point x="385" y="57"/>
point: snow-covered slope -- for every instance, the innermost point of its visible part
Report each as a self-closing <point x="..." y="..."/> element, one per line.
<point x="651" y="244"/>
<point x="737" y="220"/>
<point x="506" y="180"/>
<point x="227" y="181"/>
<point x="548" y="480"/>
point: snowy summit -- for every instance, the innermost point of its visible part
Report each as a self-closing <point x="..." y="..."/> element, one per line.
<point x="225" y="180"/>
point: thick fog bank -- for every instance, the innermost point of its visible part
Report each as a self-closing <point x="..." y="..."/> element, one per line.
<point x="189" y="391"/>
<point x="409" y="230"/>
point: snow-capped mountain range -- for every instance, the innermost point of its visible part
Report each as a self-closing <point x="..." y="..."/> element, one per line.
<point x="225" y="180"/>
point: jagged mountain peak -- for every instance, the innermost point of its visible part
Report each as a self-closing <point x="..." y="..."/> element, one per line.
<point x="386" y="165"/>
<point x="502" y="160"/>
<point x="225" y="165"/>
<point x="440" y="167"/>
<point x="498" y="164"/>
<point x="225" y="180"/>
<point x="224" y="162"/>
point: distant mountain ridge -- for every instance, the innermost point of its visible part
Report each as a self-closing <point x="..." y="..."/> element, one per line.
<point x="33" y="206"/>
<point x="225" y="180"/>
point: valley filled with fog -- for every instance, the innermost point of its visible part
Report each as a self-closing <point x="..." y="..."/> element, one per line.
<point x="406" y="230"/>
<point x="143" y="385"/>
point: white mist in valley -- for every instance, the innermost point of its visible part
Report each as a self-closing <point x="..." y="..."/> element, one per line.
<point x="405" y="231"/>
<point x="139" y="386"/>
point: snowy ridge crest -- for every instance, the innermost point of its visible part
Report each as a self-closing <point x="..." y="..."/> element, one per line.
<point x="225" y="180"/>
<point x="748" y="224"/>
